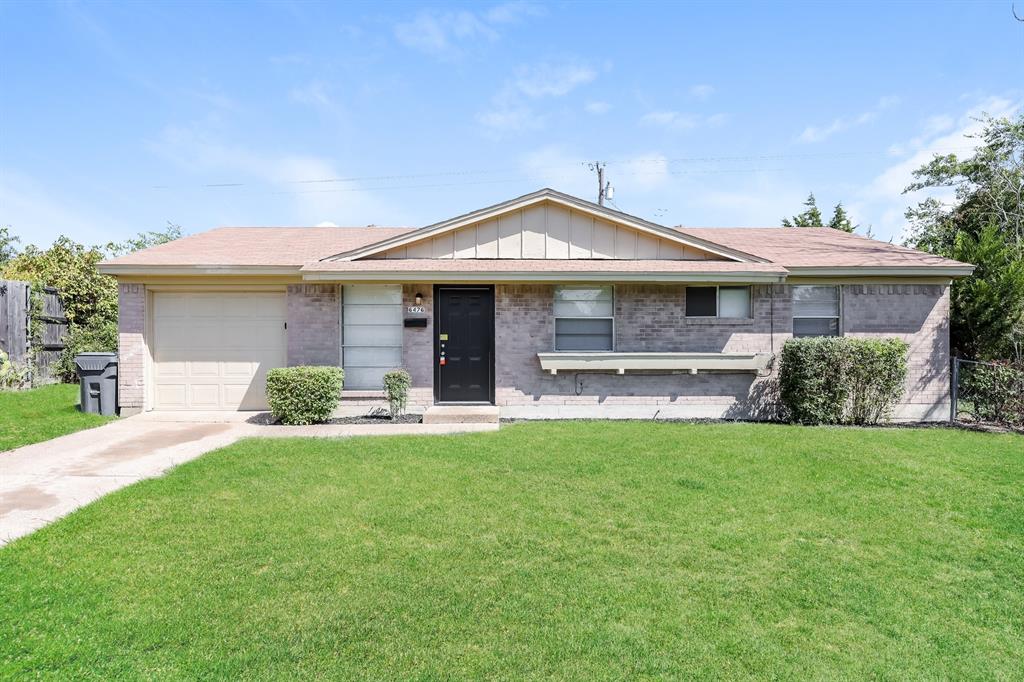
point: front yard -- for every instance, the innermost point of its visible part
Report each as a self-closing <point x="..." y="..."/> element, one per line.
<point x="564" y="550"/>
<point x="40" y="414"/>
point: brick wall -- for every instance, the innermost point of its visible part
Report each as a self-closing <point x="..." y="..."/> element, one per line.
<point x="653" y="318"/>
<point x="314" y="315"/>
<point x="131" y="347"/>
<point x="918" y="314"/>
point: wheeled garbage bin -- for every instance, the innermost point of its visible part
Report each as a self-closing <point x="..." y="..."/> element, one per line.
<point x="97" y="381"/>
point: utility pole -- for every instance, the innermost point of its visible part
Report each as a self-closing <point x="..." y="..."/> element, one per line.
<point x="604" y="190"/>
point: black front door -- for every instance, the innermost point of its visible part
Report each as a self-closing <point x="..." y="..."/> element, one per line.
<point x="464" y="344"/>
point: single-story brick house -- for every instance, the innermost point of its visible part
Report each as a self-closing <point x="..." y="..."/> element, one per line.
<point x="546" y="305"/>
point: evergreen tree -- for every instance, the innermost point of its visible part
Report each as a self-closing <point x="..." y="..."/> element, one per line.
<point x="811" y="217"/>
<point x="841" y="221"/>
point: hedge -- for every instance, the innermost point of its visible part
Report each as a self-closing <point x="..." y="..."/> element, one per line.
<point x="841" y="380"/>
<point x="396" y="387"/>
<point x="304" y="395"/>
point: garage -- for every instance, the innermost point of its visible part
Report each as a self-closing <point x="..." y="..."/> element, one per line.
<point x="211" y="351"/>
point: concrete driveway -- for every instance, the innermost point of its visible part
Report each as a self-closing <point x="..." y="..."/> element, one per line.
<point x="42" y="482"/>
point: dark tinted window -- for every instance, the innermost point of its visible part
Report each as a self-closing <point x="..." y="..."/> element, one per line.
<point x="701" y="302"/>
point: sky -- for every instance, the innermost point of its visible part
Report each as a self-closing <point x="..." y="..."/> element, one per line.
<point x="117" y="118"/>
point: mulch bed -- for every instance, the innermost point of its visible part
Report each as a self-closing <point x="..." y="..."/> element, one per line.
<point x="267" y="419"/>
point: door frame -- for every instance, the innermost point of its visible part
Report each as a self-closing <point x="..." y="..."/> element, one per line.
<point x="437" y="344"/>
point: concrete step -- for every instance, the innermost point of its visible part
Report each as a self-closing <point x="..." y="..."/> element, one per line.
<point x="461" y="414"/>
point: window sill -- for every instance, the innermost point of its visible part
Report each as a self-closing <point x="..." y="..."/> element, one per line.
<point x="629" y="361"/>
<point x="718" y="321"/>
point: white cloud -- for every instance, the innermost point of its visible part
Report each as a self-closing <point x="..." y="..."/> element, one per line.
<point x="939" y="134"/>
<point x="552" y="80"/>
<point x="597" y="107"/>
<point x="326" y="223"/>
<point x="202" y="152"/>
<point x="813" y="134"/>
<point x="680" y="121"/>
<point x="512" y="107"/>
<point x="444" y="34"/>
<point x="702" y="91"/>
<point x="556" y="167"/>
<point x="38" y="214"/>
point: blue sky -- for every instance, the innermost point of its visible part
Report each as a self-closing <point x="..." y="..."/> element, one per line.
<point x="117" y="118"/>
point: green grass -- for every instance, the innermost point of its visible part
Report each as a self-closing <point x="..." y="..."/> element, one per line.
<point x="567" y="551"/>
<point x="41" y="414"/>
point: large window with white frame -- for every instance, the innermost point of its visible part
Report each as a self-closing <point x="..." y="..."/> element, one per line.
<point x="584" y="318"/>
<point x="718" y="301"/>
<point x="371" y="333"/>
<point x="816" y="310"/>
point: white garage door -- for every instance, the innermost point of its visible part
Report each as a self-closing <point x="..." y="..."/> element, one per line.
<point x="212" y="351"/>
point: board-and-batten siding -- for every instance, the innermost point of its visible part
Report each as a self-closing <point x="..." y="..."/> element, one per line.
<point x="548" y="232"/>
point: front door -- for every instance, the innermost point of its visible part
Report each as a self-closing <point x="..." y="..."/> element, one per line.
<point x="464" y="344"/>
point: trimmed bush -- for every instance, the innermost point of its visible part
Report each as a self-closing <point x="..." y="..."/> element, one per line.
<point x="993" y="391"/>
<point x="304" y="395"/>
<point x="396" y="387"/>
<point x="841" y="380"/>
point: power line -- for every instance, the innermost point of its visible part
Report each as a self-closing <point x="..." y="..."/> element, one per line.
<point x="573" y="165"/>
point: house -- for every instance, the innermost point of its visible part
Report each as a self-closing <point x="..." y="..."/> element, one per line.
<point x="546" y="306"/>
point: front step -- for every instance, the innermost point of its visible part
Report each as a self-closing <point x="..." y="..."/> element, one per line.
<point x="461" y="414"/>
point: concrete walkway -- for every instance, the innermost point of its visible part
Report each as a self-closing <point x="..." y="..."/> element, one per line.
<point x="42" y="482"/>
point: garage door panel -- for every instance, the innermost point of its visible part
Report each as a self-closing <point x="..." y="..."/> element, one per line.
<point x="212" y="351"/>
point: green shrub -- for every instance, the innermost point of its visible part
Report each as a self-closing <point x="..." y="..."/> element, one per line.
<point x="13" y="375"/>
<point x="994" y="391"/>
<point x="99" y="335"/>
<point x="304" y="395"/>
<point x="841" y="380"/>
<point x="396" y="387"/>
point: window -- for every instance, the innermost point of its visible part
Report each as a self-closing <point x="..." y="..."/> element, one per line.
<point x="371" y="334"/>
<point x="731" y="302"/>
<point x="815" y="311"/>
<point x="584" y="318"/>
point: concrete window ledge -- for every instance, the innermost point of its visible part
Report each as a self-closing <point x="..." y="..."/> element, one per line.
<point x="361" y="395"/>
<point x="624" y="362"/>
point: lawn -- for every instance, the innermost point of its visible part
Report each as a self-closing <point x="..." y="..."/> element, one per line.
<point x="557" y="550"/>
<point x="41" y="414"/>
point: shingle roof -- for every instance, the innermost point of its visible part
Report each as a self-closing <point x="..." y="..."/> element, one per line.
<point x="815" y="247"/>
<point x="254" y="246"/>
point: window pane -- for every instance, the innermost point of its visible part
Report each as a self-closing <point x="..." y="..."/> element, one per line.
<point x="816" y="301"/>
<point x="700" y="302"/>
<point x="583" y="309"/>
<point x="390" y="358"/>
<point x="734" y="302"/>
<point x="372" y="335"/>
<point x="815" y="326"/>
<point x="373" y="314"/>
<point x="566" y="293"/>
<point x="583" y="334"/>
<point x="373" y="293"/>
<point x="365" y="378"/>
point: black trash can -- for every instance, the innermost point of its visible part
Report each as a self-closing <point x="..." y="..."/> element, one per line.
<point x="97" y="382"/>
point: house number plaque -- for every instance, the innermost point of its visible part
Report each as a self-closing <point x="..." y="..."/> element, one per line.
<point x="416" y="309"/>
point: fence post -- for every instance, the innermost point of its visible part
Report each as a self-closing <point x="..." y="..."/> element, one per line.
<point x="955" y="391"/>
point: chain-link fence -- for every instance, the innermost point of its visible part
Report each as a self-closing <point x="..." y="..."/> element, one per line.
<point x="988" y="392"/>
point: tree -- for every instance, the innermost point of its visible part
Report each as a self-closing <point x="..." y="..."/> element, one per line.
<point x="89" y="297"/>
<point x="811" y="217"/>
<point x="8" y="245"/>
<point x="841" y="221"/>
<point x="983" y="225"/>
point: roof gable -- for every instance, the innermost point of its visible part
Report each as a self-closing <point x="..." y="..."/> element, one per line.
<point x="537" y="236"/>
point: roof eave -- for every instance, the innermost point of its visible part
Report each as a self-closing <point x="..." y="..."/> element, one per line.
<point x="128" y="269"/>
<point x="950" y="270"/>
<point x="745" y="277"/>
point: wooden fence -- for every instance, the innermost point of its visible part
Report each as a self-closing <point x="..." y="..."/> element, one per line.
<point x="15" y="326"/>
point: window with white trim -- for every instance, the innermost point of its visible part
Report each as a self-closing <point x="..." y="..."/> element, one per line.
<point x="728" y="302"/>
<point x="815" y="310"/>
<point x="371" y="333"/>
<point x="584" y="318"/>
